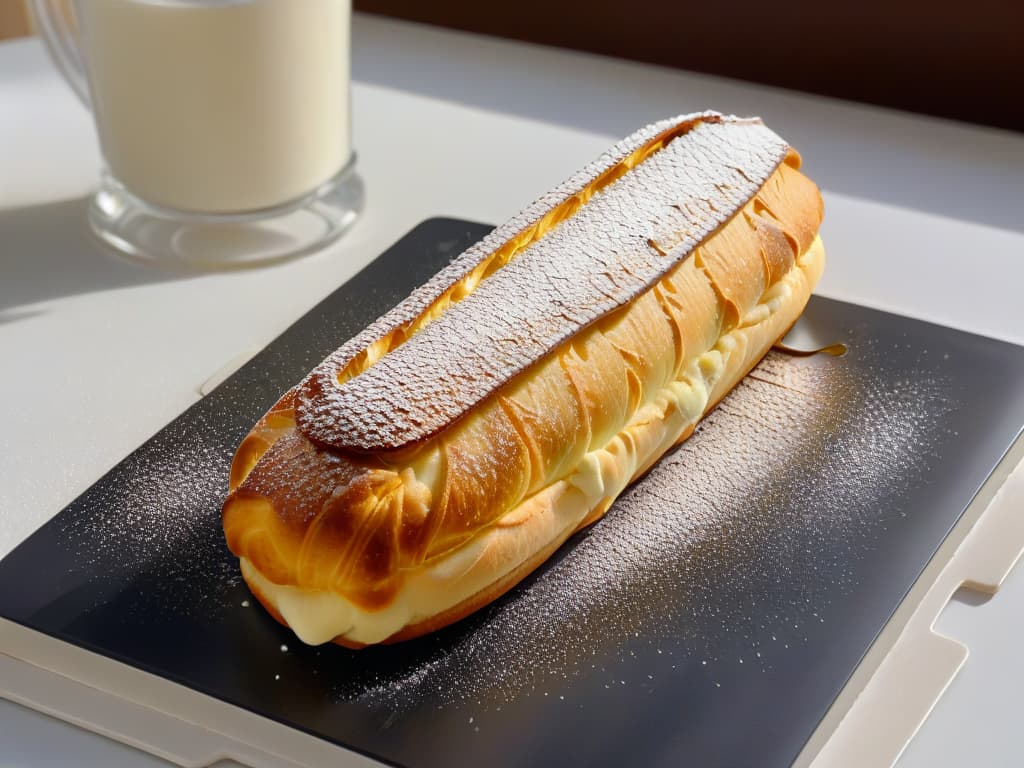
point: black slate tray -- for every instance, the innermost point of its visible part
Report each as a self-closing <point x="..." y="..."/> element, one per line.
<point x="709" y="620"/>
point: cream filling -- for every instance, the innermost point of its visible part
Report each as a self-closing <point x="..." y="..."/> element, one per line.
<point x="548" y="516"/>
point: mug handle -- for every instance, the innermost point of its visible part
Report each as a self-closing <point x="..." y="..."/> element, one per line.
<point x="55" y="20"/>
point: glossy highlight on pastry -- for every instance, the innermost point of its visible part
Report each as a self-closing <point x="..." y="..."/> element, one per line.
<point x="445" y="452"/>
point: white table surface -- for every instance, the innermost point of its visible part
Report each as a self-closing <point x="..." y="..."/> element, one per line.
<point x="923" y="217"/>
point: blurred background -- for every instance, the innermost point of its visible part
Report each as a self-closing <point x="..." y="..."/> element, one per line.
<point x="950" y="58"/>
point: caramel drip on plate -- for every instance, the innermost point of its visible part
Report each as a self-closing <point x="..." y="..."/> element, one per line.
<point x="833" y="350"/>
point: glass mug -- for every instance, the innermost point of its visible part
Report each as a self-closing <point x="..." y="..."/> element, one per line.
<point x="224" y="124"/>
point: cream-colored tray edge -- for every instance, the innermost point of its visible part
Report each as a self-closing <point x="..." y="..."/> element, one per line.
<point x="148" y="712"/>
<point x="910" y="665"/>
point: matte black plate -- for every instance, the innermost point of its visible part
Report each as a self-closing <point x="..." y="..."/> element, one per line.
<point x="710" y="619"/>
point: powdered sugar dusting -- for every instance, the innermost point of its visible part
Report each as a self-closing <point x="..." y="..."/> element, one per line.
<point x="611" y="250"/>
<point x="159" y="521"/>
<point x="422" y="297"/>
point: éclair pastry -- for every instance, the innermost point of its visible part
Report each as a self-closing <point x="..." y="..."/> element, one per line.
<point x="445" y="452"/>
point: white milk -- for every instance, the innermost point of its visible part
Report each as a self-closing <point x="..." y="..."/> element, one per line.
<point x="219" y="106"/>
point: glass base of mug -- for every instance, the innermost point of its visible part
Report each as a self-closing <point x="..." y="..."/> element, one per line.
<point x="225" y="241"/>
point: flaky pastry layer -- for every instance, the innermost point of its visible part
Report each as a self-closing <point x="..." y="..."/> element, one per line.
<point x="366" y="547"/>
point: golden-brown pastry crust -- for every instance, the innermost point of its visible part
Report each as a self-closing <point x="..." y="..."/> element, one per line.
<point x="409" y="540"/>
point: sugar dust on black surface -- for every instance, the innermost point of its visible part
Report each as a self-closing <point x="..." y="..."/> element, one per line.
<point x="732" y="590"/>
